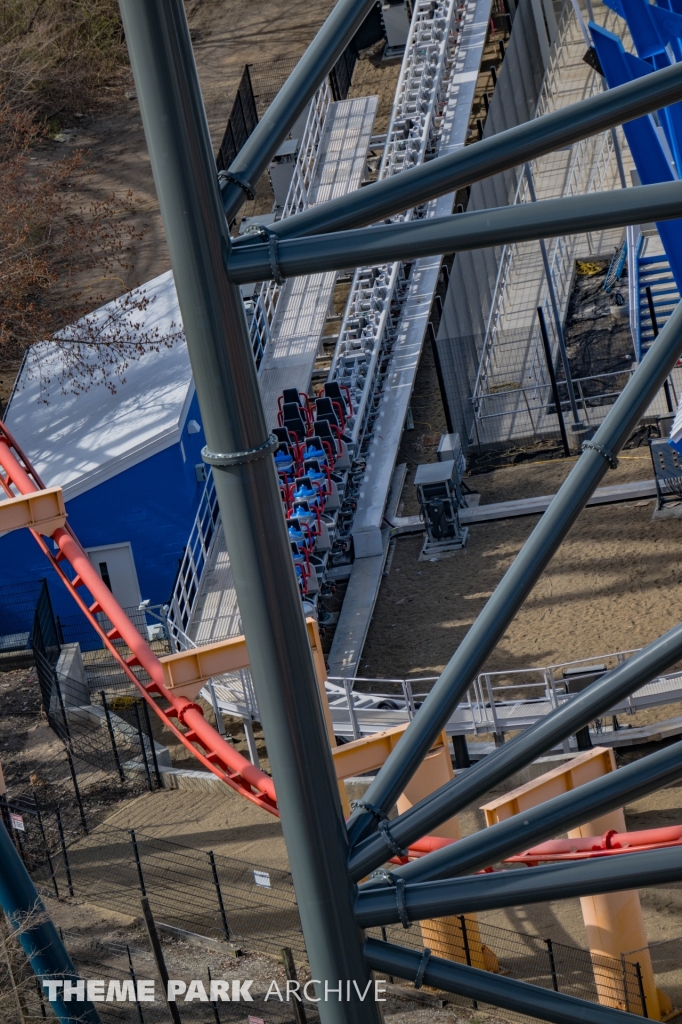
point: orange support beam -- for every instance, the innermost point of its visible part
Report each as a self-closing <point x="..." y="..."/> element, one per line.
<point x="43" y="511"/>
<point x="613" y="923"/>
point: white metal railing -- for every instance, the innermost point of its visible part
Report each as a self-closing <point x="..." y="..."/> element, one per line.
<point x="634" y="240"/>
<point x="266" y="298"/>
<point x="196" y="556"/>
<point x="260" y="312"/>
<point x="495" y="702"/>
<point x="591" y="166"/>
<point x="373" y="309"/>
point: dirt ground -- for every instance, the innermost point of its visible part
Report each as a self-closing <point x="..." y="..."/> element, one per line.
<point x="226" y="34"/>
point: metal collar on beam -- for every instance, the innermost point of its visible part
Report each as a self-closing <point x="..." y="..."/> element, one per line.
<point x="494" y="989"/>
<point x="515" y="888"/>
<point x="550" y="218"/>
<point x="498" y="153"/>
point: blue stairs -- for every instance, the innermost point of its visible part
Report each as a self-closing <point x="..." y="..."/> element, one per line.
<point x="654" y="272"/>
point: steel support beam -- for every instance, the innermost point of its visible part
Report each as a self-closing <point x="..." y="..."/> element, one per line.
<point x="489" y="156"/>
<point x="524" y="748"/>
<point x="38" y="936"/>
<point x="248" y="495"/>
<point x="423" y="900"/>
<point x="318" y="60"/>
<point x="494" y="989"/>
<point x="520" y="578"/>
<point x="479" y="229"/>
<point x="547" y="820"/>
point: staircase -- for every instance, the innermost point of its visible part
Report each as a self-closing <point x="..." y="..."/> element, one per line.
<point x="654" y="272"/>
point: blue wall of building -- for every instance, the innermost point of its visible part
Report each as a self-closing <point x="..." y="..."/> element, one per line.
<point x="152" y="505"/>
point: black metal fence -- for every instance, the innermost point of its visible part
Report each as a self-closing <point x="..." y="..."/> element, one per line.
<point x="254" y="908"/>
<point x="528" y="958"/>
<point x="258" y="87"/>
<point x="241" y="122"/>
<point x="132" y="962"/>
<point x="17" y="608"/>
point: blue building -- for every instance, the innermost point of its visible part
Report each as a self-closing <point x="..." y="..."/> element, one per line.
<point x="129" y="462"/>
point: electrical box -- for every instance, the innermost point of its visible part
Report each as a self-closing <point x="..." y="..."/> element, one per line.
<point x="282" y="170"/>
<point x="449" y="447"/>
<point x="440" y="498"/>
<point x="396" y="18"/>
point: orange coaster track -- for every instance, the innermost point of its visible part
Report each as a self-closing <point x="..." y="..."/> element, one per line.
<point x="201" y="739"/>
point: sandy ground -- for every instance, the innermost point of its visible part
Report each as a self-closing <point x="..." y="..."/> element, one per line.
<point x="612" y="585"/>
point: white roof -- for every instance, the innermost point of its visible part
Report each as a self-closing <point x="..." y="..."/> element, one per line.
<point x="79" y="440"/>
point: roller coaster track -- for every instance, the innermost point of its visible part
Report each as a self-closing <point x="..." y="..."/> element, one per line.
<point x="200" y="738"/>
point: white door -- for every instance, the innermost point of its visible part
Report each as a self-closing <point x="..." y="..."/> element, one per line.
<point x="116" y="567"/>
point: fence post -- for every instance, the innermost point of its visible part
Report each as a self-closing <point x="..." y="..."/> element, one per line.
<point x="143" y="748"/>
<point x="552" y="379"/>
<point x="467" y="952"/>
<point x="624" y="967"/>
<point x="159" y="783"/>
<point x="72" y="769"/>
<point x="552" y="964"/>
<point x="62" y="840"/>
<point x="159" y="958"/>
<point x="62" y="707"/>
<point x="41" y="997"/>
<point x="440" y="377"/>
<point x="290" y="971"/>
<point x="213" y="1002"/>
<point x="216" y="882"/>
<point x="132" y="975"/>
<point x="138" y="862"/>
<point x="112" y="736"/>
<point x="47" y="848"/>
<point x="640" y="984"/>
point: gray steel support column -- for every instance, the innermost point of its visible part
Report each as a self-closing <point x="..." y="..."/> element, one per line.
<point x="473" y="893"/>
<point x="475" y="230"/>
<point x="248" y="494"/>
<point x="558" y="326"/>
<point x="318" y="60"/>
<point x="520" y="578"/>
<point x="547" y="820"/>
<point x="494" y="989"/>
<point x="489" y="156"/>
<point x="524" y="748"/>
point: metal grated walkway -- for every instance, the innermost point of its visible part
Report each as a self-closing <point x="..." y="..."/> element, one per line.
<point x="304" y="303"/>
<point x="370" y="543"/>
<point x="295" y="337"/>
